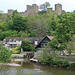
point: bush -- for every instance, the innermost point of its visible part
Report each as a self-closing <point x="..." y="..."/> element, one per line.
<point x="5" y="55"/>
<point x="73" y="65"/>
<point x="65" y="63"/>
<point x="48" y="59"/>
<point x="26" y="45"/>
<point x="24" y="56"/>
<point x="16" y="50"/>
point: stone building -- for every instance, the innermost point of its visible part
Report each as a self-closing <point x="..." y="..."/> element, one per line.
<point x="58" y="9"/>
<point x="34" y="9"/>
<point x="10" y="11"/>
<point x="31" y="10"/>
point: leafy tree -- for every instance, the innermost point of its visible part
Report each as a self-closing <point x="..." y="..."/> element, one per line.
<point x="15" y="12"/>
<point x="71" y="45"/>
<point x="74" y="11"/>
<point x="52" y="20"/>
<point x="9" y="33"/>
<point x="9" y="25"/>
<point x="16" y="50"/>
<point x="53" y="44"/>
<point x="2" y="25"/>
<point x="44" y="6"/>
<point x="1" y="35"/>
<point x="26" y="45"/>
<point x="19" y="23"/>
<point x="23" y="34"/>
<point x="1" y="45"/>
<point x="5" y="55"/>
<point x="65" y="28"/>
<point x="37" y="26"/>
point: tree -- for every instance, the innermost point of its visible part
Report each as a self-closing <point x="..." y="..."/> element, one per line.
<point x="53" y="44"/>
<point x="71" y="45"/>
<point x="16" y="50"/>
<point x="26" y="45"/>
<point x="37" y="26"/>
<point x="74" y="11"/>
<point x="14" y="13"/>
<point x="5" y="55"/>
<point x="19" y="23"/>
<point x="65" y="28"/>
<point x="44" y="6"/>
<point x="52" y="20"/>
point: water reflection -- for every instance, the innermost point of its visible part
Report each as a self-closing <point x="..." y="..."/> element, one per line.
<point x="33" y="69"/>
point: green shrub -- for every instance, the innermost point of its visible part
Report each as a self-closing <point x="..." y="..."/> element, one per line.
<point x="24" y="56"/>
<point x="72" y="64"/>
<point x="65" y="63"/>
<point x="5" y="55"/>
<point x="26" y="45"/>
<point x="50" y="62"/>
<point x="16" y="50"/>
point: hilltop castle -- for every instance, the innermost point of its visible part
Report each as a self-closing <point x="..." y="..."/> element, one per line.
<point x="31" y="10"/>
<point x="34" y="9"/>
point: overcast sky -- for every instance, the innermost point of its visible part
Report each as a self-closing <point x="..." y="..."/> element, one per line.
<point x="20" y="5"/>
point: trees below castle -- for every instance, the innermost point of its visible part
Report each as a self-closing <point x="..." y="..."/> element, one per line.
<point x="62" y="27"/>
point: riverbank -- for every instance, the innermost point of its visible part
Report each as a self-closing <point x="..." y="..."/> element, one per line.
<point x="55" y="62"/>
<point x="10" y="64"/>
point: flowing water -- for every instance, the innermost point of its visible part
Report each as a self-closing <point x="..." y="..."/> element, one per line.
<point x="29" y="68"/>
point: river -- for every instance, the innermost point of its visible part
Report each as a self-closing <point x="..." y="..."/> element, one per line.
<point x="29" y="68"/>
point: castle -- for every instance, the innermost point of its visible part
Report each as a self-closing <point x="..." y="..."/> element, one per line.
<point x="34" y="9"/>
<point x="31" y="10"/>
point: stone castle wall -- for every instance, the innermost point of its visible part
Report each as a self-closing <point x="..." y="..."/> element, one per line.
<point x="33" y="9"/>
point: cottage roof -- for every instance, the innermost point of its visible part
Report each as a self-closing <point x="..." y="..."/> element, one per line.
<point x="32" y="39"/>
<point x="49" y="37"/>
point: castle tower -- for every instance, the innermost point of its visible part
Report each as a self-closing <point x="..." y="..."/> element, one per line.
<point x="58" y="9"/>
<point x="32" y="9"/>
<point x="10" y="11"/>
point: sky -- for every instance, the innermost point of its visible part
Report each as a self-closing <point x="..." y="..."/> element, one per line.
<point x="20" y="5"/>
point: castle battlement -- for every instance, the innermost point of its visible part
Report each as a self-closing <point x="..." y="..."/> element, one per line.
<point x="31" y="10"/>
<point x="34" y="9"/>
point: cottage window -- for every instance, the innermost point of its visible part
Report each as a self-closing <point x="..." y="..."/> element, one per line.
<point x="14" y="40"/>
<point x="9" y="40"/>
<point x="36" y="42"/>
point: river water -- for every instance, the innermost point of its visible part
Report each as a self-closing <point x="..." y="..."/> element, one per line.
<point x="29" y="68"/>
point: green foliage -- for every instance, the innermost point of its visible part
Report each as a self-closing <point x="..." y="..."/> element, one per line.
<point x="16" y="50"/>
<point x="5" y="55"/>
<point x="65" y="63"/>
<point x="71" y="45"/>
<point x="53" y="44"/>
<point x="24" y="56"/>
<point x="15" y="12"/>
<point x="44" y="6"/>
<point x="73" y="65"/>
<point x="46" y="59"/>
<point x="1" y="45"/>
<point x="26" y="45"/>
<point x="45" y="56"/>
<point x="47" y="22"/>
<point x="36" y="26"/>
<point x="19" y="23"/>
<point x="74" y="11"/>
